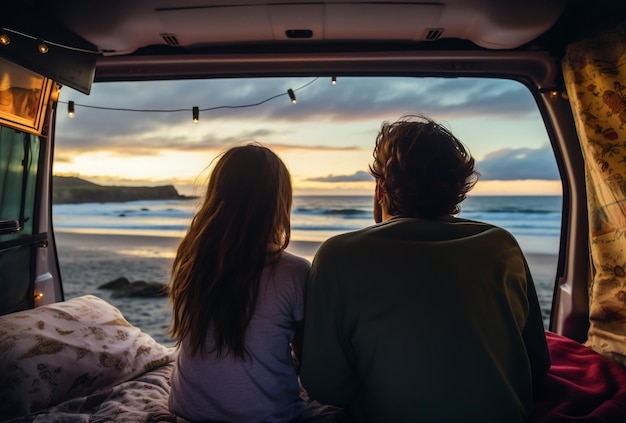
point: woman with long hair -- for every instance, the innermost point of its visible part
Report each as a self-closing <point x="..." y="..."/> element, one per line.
<point x="238" y="297"/>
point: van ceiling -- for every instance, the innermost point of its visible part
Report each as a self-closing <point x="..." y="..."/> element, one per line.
<point x="119" y="27"/>
<point x="161" y="39"/>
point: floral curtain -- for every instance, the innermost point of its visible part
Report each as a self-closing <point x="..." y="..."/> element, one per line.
<point x="595" y="78"/>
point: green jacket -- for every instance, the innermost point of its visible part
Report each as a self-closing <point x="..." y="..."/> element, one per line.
<point x="424" y="320"/>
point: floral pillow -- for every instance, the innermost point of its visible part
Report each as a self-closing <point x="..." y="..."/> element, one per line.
<point x="67" y="350"/>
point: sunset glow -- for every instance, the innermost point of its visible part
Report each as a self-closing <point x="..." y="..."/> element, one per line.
<point x="326" y="139"/>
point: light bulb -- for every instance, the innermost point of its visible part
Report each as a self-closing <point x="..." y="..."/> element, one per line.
<point x="42" y="46"/>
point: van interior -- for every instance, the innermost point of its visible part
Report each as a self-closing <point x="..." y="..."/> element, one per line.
<point x="563" y="61"/>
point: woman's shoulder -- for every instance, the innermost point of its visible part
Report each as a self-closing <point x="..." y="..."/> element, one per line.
<point x="291" y="269"/>
<point x="294" y="261"/>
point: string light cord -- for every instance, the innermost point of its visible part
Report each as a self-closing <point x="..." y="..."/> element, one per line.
<point x="52" y="43"/>
<point x="123" y="109"/>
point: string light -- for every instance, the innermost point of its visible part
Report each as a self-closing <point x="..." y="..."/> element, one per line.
<point x="70" y="109"/>
<point x="292" y="95"/>
<point x="42" y="46"/>
<point x="552" y="92"/>
<point x="195" y="110"/>
<point x="333" y="80"/>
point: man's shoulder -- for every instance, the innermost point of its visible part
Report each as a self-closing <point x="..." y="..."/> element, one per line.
<point x="352" y="236"/>
<point x="348" y="243"/>
<point x="405" y="228"/>
<point x="484" y="227"/>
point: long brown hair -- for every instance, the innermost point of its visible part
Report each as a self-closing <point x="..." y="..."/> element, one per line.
<point x="242" y="225"/>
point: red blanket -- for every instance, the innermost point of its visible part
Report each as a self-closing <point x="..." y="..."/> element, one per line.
<point x="581" y="386"/>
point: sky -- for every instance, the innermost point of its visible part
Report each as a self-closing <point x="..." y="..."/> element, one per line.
<point x="326" y="138"/>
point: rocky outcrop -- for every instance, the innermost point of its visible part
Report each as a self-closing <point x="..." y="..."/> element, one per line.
<point x="71" y="190"/>
<point x="122" y="287"/>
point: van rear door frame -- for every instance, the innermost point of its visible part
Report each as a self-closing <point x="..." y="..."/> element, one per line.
<point x="538" y="70"/>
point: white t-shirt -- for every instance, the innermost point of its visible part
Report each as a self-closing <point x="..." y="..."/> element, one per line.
<point x="264" y="387"/>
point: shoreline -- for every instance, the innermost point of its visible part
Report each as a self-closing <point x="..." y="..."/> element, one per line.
<point x="148" y="245"/>
<point x="89" y="260"/>
<point x="165" y="246"/>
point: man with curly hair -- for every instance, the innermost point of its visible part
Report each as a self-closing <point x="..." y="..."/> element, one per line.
<point x="424" y="316"/>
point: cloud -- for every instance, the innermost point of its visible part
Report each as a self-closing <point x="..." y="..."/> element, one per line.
<point x="355" y="106"/>
<point x="167" y="105"/>
<point x="505" y="165"/>
<point x="519" y="164"/>
<point x="127" y="146"/>
<point x="354" y="99"/>
<point x="359" y="176"/>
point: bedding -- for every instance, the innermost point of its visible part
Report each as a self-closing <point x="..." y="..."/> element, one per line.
<point x="141" y="399"/>
<point x="580" y="386"/>
<point x="69" y="350"/>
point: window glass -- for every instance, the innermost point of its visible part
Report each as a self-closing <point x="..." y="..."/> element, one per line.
<point x="19" y="157"/>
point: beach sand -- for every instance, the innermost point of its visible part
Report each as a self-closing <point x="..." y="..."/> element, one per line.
<point x="90" y="260"/>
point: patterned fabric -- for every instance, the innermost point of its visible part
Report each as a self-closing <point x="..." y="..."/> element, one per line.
<point x="142" y="399"/>
<point x="595" y="77"/>
<point x="67" y="350"/>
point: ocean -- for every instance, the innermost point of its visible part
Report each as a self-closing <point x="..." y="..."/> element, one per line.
<point x="535" y="221"/>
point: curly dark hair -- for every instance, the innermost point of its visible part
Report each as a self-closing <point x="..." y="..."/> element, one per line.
<point x="424" y="171"/>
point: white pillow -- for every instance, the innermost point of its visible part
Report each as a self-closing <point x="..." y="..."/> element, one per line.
<point x="67" y="350"/>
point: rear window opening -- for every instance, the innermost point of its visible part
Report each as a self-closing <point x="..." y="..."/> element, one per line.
<point x="142" y="134"/>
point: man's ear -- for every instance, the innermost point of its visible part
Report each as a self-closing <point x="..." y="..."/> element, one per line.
<point x="378" y="209"/>
<point x="379" y="191"/>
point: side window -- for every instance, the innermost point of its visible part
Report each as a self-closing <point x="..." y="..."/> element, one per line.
<point x="19" y="157"/>
<point x="19" y="154"/>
